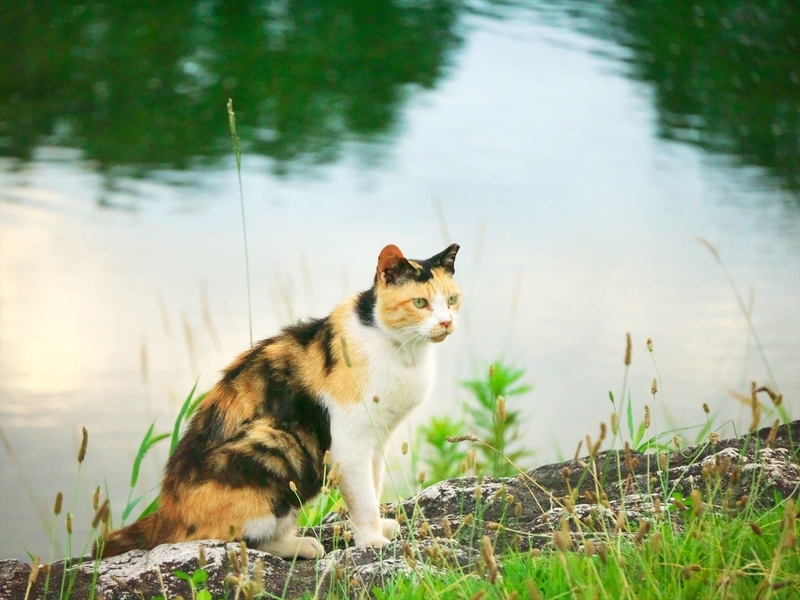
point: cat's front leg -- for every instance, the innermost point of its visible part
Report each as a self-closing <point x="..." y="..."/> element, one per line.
<point x="358" y="489"/>
<point x="389" y="527"/>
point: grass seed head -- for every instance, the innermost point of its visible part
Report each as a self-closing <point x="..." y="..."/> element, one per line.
<point x="102" y="514"/>
<point x="201" y="556"/>
<point x="501" y="409"/>
<point x="293" y="486"/>
<point x="466" y="437"/>
<point x="789" y="525"/>
<point x="756" y="529"/>
<point x="533" y="590"/>
<point x="706" y="409"/>
<point x="578" y="450"/>
<point x="689" y="570"/>
<point x="34" y="570"/>
<point x="655" y="542"/>
<point x="773" y="432"/>
<point x="697" y="502"/>
<point x="69" y="523"/>
<point x="408" y="554"/>
<point x="404" y="448"/>
<point x="96" y="499"/>
<point x="614" y="423"/>
<point x="448" y="531"/>
<point x="654" y="386"/>
<point x="326" y="459"/>
<point x="649" y="344"/>
<point x="647" y="414"/>
<point x="644" y="527"/>
<point x="487" y="554"/>
<point x="628" y="349"/>
<point x="421" y="477"/>
<point x="233" y="559"/>
<point x="677" y="441"/>
<point x="243" y="552"/>
<point x="562" y="537"/>
<point x="59" y="502"/>
<point x="424" y="530"/>
<point x="84" y="443"/>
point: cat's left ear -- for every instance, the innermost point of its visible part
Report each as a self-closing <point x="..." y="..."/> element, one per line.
<point x="392" y="265"/>
<point x="446" y="259"/>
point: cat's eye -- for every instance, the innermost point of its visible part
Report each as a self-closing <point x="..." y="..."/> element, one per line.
<point x="452" y="299"/>
<point x="420" y="302"/>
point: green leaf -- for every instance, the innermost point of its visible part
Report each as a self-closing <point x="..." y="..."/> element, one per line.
<point x="140" y="454"/>
<point x="204" y="595"/>
<point x="182" y="575"/>
<point x="630" y="417"/>
<point x="179" y="421"/>
<point x="193" y="406"/>
<point x="639" y="435"/>
<point x="150" y="508"/>
<point x="144" y="447"/>
<point x="199" y="576"/>
<point x="131" y="505"/>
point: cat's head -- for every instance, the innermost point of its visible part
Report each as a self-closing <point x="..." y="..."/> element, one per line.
<point x="417" y="299"/>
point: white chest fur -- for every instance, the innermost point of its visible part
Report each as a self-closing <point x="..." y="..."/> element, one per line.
<point x="397" y="380"/>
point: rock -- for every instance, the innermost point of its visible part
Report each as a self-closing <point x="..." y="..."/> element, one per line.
<point x="443" y="527"/>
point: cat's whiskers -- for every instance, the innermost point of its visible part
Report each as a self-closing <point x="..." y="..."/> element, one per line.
<point x="416" y="337"/>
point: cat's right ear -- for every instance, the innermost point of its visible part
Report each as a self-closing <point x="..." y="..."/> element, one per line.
<point x="392" y="265"/>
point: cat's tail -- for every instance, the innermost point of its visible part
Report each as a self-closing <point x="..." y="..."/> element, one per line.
<point x="144" y="534"/>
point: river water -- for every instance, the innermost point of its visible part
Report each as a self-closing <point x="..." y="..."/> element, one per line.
<point x="575" y="151"/>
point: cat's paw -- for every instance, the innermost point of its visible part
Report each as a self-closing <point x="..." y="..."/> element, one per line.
<point x="292" y="546"/>
<point x="390" y="528"/>
<point x="374" y="541"/>
<point x="308" y="547"/>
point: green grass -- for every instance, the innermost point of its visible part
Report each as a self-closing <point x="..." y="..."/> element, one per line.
<point x="750" y="555"/>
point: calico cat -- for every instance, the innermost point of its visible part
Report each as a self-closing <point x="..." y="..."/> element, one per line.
<point x="254" y="449"/>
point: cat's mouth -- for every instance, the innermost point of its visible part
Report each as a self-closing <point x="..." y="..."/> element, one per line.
<point x="438" y="338"/>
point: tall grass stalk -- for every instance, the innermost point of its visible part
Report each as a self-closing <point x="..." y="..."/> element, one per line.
<point x="747" y="314"/>
<point x="237" y="152"/>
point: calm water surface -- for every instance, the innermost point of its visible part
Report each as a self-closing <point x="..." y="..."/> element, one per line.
<point x="575" y="151"/>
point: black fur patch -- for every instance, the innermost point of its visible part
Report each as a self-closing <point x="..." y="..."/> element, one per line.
<point x="250" y="359"/>
<point x="326" y="338"/>
<point x="305" y="331"/>
<point x="365" y="307"/>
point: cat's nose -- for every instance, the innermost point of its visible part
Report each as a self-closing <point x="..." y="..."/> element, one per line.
<point x="445" y="324"/>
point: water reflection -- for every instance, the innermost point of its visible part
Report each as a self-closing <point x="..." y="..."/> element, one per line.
<point x="139" y="86"/>
<point x="725" y="76"/>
